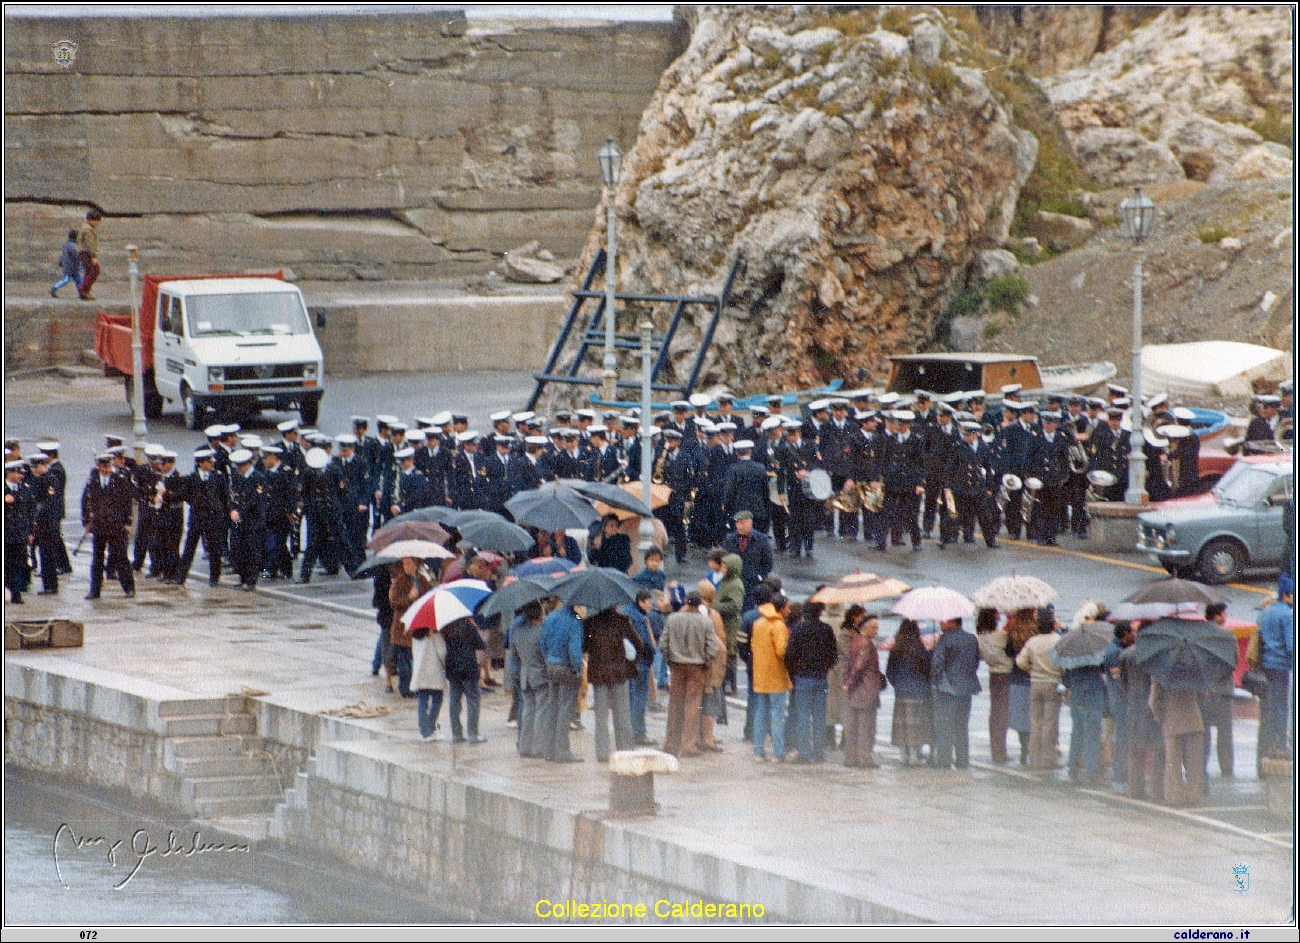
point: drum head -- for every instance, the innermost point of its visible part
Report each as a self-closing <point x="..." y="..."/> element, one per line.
<point x="819" y="484"/>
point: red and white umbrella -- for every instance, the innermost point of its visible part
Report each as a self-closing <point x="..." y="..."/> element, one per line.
<point x="442" y="606"/>
<point x="934" y="604"/>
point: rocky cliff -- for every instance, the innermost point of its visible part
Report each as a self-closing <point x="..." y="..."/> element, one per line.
<point x="372" y="145"/>
<point x="854" y="160"/>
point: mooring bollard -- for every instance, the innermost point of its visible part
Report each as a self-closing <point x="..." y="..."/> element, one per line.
<point x="632" y="780"/>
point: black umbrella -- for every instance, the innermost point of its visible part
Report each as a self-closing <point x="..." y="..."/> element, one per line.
<point x="1082" y="647"/>
<point x="607" y="493"/>
<point x="518" y="593"/>
<point x="1185" y="654"/>
<point x="598" y="588"/>
<point x="496" y="534"/>
<point x="443" y="515"/>
<point x="554" y="509"/>
<point x="1165" y="598"/>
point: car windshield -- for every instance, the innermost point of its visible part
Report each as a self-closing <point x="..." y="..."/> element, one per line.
<point x="1244" y="484"/>
<point x="274" y="312"/>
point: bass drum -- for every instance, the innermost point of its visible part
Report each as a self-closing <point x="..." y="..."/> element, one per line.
<point x="817" y="485"/>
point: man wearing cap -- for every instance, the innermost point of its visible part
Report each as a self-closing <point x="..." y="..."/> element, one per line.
<point x="974" y="480"/>
<point x="106" y="513"/>
<point x="208" y="495"/>
<point x="322" y="492"/>
<point x="47" y="529"/>
<point x="904" y="480"/>
<point x="466" y="483"/>
<point x="144" y="478"/>
<point x="1019" y="435"/>
<point x="526" y="472"/>
<point x="247" y="518"/>
<point x="1185" y="450"/>
<point x="354" y="501"/>
<point x="773" y="433"/>
<point x="674" y="470"/>
<point x="795" y="459"/>
<point x="20" y="529"/>
<point x="1049" y="462"/>
<point x="1263" y="427"/>
<point x="496" y="491"/>
<point x="281" y="513"/>
<point x="1110" y="447"/>
<point x="745" y="488"/>
<point x="836" y="445"/>
<point x="754" y="549"/>
<point x="937" y="443"/>
<point x="59" y="477"/>
<point x="409" y="489"/>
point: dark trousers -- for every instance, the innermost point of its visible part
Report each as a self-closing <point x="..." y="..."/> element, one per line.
<point x="469" y="690"/>
<point x="874" y="529"/>
<point x="780" y="525"/>
<point x="247" y="552"/>
<point x="89" y="272"/>
<point x="353" y="550"/>
<point x="673" y="516"/>
<point x="999" y="714"/>
<point x="48" y="544"/>
<point x="1216" y="710"/>
<point x="848" y="522"/>
<point x="1076" y="496"/>
<point x="1045" y="519"/>
<point x="901" y="506"/>
<point x="808" y="713"/>
<point x="934" y="508"/>
<point x="321" y="537"/>
<point x="278" y="560"/>
<point x="114" y="546"/>
<point x="427" y="706"/>
<point x="214" y="538"/>
<point x="144" y="536"/>
<point x="403" y="665"/>
<point x="803" y="521"/>
<point x="18" y="568"/>
<point x="1272" y="712"/>
<point x="951" y="730"/>
<point x="166" y="549"/>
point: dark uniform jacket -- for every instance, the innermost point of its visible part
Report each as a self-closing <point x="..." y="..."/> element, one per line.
<point x="209" y="500"/>
<point x="409" y="490"/>
<point x="107" y="510"/>
<point x="745" y="488"/>
<point x="248" y="497"/>
<point x="904" y="465"/>
<point x="465" y="485"/>
<point x="970" y="471"/>
<point x="20" y="514"/>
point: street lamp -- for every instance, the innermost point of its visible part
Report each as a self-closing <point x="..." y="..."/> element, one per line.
<point x="1137" y="214"/>
<point x="137" y="355"/>
<point x="647" y="530"/>
<point x="610" y="159"/>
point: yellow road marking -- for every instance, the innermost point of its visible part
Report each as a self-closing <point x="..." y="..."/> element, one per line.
<point x="1111" y="560"/>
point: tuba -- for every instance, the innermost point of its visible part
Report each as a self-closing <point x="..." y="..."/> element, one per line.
<point x="1010" y="483"/>
<point x="1078" y="458"/>
<point x="1098" y="481"/>
<point x="873" y="497"/>
<point x="1032" y="487"/>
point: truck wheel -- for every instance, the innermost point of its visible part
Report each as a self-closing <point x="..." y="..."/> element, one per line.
<point x="309" y="411"/>
<point x="194" y="410"/>
<point x="1221" y="561"/>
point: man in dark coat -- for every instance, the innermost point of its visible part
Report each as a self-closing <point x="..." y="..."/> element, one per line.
<point x="745" y="487"/>
<point x="282" y="509"/>
<point x="904" y="479"/>
<point x="354" y="502"/>
<point x="496" y="491"/>
<point x="208" y="496"/>
<point x="468" y="478"/>
<point x="953" y="683"/>
<point x="106" y="513"/>
<point x="48" y="521"/>
<point x="20" y="527"/>
<point x="1049" y="462"/>
<point x="675" y="471"/>
<point x="247" y="517"/>
<point x="754" y="550"/>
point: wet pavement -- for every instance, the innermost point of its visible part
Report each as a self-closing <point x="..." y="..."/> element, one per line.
<point x="954" y="847"/>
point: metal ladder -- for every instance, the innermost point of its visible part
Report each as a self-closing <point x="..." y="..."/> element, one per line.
<point x="593" y="335"/>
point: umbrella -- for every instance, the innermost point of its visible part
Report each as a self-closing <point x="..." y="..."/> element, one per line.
<point x="934" y="604"/>
<point x="407" y="530"/>
<point x="420" y="549"/>
<point x="371" y="565"/>
<point x="556" y="508"/>
<point x="1009" y="593"/>
<point x="1082" y="647"/>
<point x="613" y="496"/>
<point x="443" y="515"/>
<point x="597" y="588"/>
<point x="1186" y="655"/>
<point x="442" y="606"/>
<point x="1166" y="598"/>
<point x="860" y="588"/>
<point x="494" y="534"/>
<point x="544" y="566"/>
<point x="517" y="593"/>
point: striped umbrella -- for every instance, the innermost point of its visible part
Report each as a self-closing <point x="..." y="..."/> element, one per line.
<point x="442" y="606"/>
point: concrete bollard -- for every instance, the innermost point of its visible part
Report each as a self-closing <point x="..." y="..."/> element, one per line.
<point x="632" y="780"/>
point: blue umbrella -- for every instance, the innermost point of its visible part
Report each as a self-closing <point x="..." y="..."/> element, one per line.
<point x="543" y="566"/>
<point x="517" y="594"/>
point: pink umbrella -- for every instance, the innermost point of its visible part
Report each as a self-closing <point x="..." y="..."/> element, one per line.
<point x="934" y="604"/>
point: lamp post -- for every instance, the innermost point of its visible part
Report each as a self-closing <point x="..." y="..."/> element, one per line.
<point x="1138" y="215"/>
<point x="137" y="355"/>
<point x="647" y="529"/>
<point x="610" y="159"/>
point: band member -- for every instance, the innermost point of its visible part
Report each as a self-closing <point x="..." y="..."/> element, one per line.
<point x="21" y="501"/>
<point x="247" y="518"/>
<point x="1049" y="462"/>
<point x="673" y="469"/>
<point x="904" y="481"/>
<point x="106" y="513"/>
<point x="796" y="458"/>
<point x="972" y="480"/>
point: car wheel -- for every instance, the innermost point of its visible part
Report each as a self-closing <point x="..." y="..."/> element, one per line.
<point x="194" y="410"/>
<point x="1221" y="561"/>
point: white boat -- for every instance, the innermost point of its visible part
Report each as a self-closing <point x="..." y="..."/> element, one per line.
<point x="1210" y="368"/>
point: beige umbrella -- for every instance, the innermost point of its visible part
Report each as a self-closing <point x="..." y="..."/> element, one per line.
<point x="860" y="588"/>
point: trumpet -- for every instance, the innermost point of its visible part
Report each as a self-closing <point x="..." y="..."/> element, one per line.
<point x="848" y="501"/>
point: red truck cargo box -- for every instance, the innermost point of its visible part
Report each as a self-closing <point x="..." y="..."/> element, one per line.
<point x="113" y="331"/>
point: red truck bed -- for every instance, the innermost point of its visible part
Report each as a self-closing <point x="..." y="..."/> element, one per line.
<point x="113" y="331"/>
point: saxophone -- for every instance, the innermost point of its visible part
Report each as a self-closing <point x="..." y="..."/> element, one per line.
<point x="657" y="476"/>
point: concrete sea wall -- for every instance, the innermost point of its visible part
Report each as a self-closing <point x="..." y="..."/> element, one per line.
<point x="358" y="146"/>
<point x="466" y="839"/>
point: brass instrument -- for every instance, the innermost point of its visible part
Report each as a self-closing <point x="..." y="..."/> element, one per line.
<point x="657" y="476"/>
<point x="1010" y="483"/>
<point x="988" y="433"/>
<point x="1098" y="481"/>
<point x="849" y="501"/>
<point x="873" y="497"/>
<point x="1078" y="457"/>
<point x="950" y="502"/>
<point x="1032" y="487"/>
<point x="1284" y="434"/>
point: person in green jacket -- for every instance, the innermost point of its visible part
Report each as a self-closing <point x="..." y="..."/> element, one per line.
<point x="730" y="603"/>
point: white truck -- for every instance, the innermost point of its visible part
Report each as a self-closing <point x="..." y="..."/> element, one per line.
<point x="219" y="343"/>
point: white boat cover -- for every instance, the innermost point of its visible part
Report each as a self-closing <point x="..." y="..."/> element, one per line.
<point x="1210" y="368"/>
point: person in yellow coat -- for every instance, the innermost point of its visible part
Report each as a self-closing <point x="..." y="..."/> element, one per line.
<point x="771" y="681"/>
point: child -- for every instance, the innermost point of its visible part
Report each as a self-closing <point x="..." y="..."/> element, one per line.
<point x="69" y="264"/>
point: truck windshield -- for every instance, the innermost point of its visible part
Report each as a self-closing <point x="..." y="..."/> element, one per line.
<point x="278" y="312"/>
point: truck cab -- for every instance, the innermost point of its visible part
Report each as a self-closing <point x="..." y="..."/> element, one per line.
<point x="234" y="345"/>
